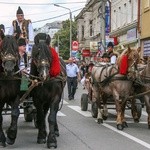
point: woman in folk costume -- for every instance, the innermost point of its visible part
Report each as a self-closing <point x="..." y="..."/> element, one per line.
<point x="22" y="28"/>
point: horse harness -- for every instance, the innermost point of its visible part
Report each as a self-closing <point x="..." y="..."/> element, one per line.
<point x="110" y="75"/>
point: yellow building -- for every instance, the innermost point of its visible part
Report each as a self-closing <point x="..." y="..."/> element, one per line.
<point x="145" y="27"/>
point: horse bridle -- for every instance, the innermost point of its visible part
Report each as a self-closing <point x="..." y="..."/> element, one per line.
<point x="8" y="57"/>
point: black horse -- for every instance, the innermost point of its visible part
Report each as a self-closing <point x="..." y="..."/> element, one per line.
<point x="47" y="94"/>
<point x="9" y="87"/>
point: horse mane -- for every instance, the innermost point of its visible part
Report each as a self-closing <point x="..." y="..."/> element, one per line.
<point x="128" y="52"/>
<point x="41" y="49"/>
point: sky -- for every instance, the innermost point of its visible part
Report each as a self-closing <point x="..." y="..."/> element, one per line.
<point x="39" y="12"/>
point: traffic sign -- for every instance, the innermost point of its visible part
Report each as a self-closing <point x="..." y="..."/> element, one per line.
<point x="75" y="45"/>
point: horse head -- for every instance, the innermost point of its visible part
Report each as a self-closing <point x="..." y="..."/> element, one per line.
<point x="42" y="59"/>
<point x="9" y="55"/>
<point x="128" y="60"/>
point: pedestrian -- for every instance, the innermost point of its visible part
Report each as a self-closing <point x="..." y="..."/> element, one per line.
<point x="22" y="27"/>
<point x="112" y="55"/>
<point x="73" y="76"/>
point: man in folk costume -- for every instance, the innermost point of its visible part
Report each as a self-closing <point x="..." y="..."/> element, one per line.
<point x="22" y="28"/>
<point x="111" y="54"/>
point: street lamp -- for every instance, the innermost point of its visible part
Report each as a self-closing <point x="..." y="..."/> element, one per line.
<point x="70" y="25"/>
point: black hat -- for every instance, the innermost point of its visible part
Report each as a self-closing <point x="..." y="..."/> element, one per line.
<point x="2" y="27"/>
<point x="110" y="44"/>
<point x="42" y="37"/>
<point x="21" y="42"/>
<point x="19" y="11"/>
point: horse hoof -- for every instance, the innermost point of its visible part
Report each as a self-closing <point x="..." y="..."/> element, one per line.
<point x="125" y="125"/>
<point x="148" y="126"/>
<point x="136" y="120"/>
<point x="57" y="133"/>
<point x="41" y="141"/>
<point x="99" y="121"/>
<point x="3" y="144"/>
<point x="119" y="126"/>
<point x="10" y="141"/>
<point x="104" y="117"/>
<point x="51" y="145"/>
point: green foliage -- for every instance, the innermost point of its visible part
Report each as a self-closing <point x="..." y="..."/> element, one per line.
<point x="64" y="38"/>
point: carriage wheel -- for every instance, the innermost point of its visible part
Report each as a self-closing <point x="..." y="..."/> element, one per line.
<point x="28" y="115"/>
<point x="138" y="106"/>
<point x="94" y="109"/>
<point x="84" y="102"/>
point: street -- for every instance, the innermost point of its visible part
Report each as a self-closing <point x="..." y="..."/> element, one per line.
<point x="79" y="130"/>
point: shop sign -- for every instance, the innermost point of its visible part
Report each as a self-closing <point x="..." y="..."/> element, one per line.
<point x="146" y="48"/>
<point x="86" y="53"/>
<point x="93" y="46"/>
<point x="131" y="34"/>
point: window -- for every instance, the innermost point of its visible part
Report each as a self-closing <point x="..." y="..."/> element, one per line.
<point x="146" y="4"/>
<point x="82" y="33"/>
<point x="91" y="27"/>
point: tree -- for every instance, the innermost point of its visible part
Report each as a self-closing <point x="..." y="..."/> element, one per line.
<point x="64" y="38"/>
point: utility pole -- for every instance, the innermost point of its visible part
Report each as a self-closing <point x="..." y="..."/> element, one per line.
<point x="103" y="24"/>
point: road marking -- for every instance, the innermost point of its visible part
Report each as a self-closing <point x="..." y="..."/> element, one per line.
<point x="111" y="111"/>
<point x="65" y="102"/>
<point x="60" y="114"/>
<point x="147" y="145"/>
<point x="113" y="121"/>
<point x="78" y="109"/>
<point x="144" y="113"/>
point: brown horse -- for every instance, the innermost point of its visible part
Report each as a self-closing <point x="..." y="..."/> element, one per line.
<point x="107" y="82"/>
<point x="143" y="86"/>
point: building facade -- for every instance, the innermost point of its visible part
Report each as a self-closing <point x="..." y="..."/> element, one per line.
<point x="88" y="26"/>
<point x="145" y="24"/>
<point x="124" y="23"/>
<point x="50" y="28"/>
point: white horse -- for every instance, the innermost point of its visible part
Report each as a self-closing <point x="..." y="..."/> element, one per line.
<point x="107" y="82"/>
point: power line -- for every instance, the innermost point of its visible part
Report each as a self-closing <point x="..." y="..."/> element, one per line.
<point x="52" y="17"/>
<point x="41" y="3"/>
<point x="35" y="14"/>
<point x="55" y="16"/>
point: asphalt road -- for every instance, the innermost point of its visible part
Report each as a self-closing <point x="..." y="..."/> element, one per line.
<point x="80" y="131"/>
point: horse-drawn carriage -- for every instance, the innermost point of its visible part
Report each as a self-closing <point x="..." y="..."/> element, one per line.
<point x="44" y="92"/>
<point x="106" y="85"/>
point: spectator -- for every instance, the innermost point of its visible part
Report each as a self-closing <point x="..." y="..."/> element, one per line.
<point x="73" y="76"/>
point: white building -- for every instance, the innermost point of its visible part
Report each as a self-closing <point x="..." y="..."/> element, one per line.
<point x="124" y="19"/>
<point x="50" y="28"/>
<point x="88" y="25"/>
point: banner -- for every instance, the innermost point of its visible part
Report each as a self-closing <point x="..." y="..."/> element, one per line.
<point x="93" y="46"/>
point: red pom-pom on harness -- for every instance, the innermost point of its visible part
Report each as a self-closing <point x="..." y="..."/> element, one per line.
<point x="55" y="64"/>
<point x="123" y="68"/>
